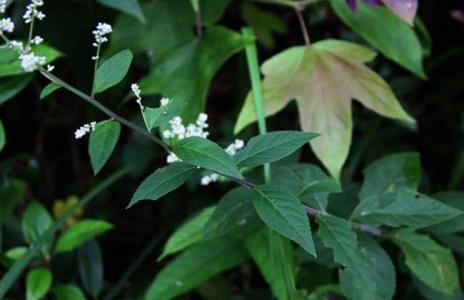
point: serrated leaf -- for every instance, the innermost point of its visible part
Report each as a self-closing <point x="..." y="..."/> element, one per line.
<point x="390" y="173"/>
<point x="193" y="64"/>
<point x="323" y="79"/>
<point x="49" y="89"/>
<point x="336" y="233"/>
<point x="157" y="117"/>
<point x="38" y="282"/>
<point x="36" y="220"/>
<point x="379" y="26"/>
<point x="409" y="208"/>
<point x="112" y="71"/>
<point x="10" y="87"/>
<point x="91" y="267"/>
<point x="306" y="181"/>
<point x="163" y="181"/>
<point x="195" y="266"/>
<point x="102" y="142"/>
<point x="430" y="262"/>
<point x="10" y="64"/>
<point x="79" y="233"/>
<point x="131" y="7"/>
<point x="188" y="233"/>
<point x="281" y="211"/>
<point x="454" y="225"/>
<point x="261" y="250"/>
<point x="204" y="153"/>
<point x="68" y="292"/>
<point x="270" y="147"/>
<point x="233" y="212"/>
<point x="382" y="272"/>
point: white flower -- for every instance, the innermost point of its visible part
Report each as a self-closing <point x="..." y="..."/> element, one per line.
<point x="50" y="68"/>
<point x="100" y="33"/>
<point x="37" y="40"/>
<point x="31" y="62"/>
<point x="136" y="90"/>
<point x="164" y="101"/>
<point x="172" y="158"/>
<point x="32" y="12"/>
<point x="84" y="129"/>
<point x="16" y="45"/>
<point x="234" y="147"/>
<point x="2" y="6"/>
<point x="206" y="180"/>
<point x="6" y="25"/>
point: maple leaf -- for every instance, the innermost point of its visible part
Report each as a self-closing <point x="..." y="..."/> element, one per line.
<point x="323" y="79"/>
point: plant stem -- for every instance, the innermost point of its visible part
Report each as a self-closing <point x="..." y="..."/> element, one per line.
<point x="95" y="68"/>
<point x="199" y="26"/>
<point x="299" y="13"/>
<point x="104" y="109"/>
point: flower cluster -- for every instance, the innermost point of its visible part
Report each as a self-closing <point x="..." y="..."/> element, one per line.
<point x="100" y="33"/>
<point x="2" y="6"/>
<point x="33" y="12"/>
<point x="31" y="62"/>
<point x="136" y="90"/>
<point x="84" y="129"/>
<point x="6" y="25"/>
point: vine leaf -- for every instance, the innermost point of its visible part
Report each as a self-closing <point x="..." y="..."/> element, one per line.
<point x="323" y="79"/>
<point x="430" y="262"/>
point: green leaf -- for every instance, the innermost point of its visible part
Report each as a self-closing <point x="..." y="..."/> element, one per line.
<point x="453" y="225"/>
<point x="10" y="64"/>
<point x="163" y="181"/>
<point x="91" y="267"/>
<point x="379" y="26"/>
<point x="12" y="256"/>
<point x="49" y="89"/>
<point x="157" y="117"/>
<point x="38" y="282"/>
<point x="102" y="143"/>
<point x="270" y="147"/>
<point x="392" y="172"/>
<point x="188" y="233"/>
<point x="308" y="182"/>
<point x="382" y="272"/>
<point x="264" y="23"/>
<point x="10" y="87"/>
<point x="2" y="136"/>
<point x="193" y="64"/>
<point x="409" y="208"/>
<point x="430" y="262"/>
<point x="324" y="79"/>
<point x="336" y="234"/>
<point x="260" y="249"/>
<point x="11" y="193"/>
<point x="233" y="212"/>
<point x="195" y="5"/>
<point x="204" y="153"/>
<point x="195" y="266"/>
<point x="81" y="232"/>
<point x="68" y="292"/>
<point x="36" y="221"/>
<point x="281" y="211"/>
<point x="112" y="71"/>
<point x="131" y="7"/>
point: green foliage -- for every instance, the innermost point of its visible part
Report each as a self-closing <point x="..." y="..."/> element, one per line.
<point x="12" y="86"/>
<point x="68" y="292"/>
<point x="49" y="89"/>
<point x="204" y="153"/>
<point x="112" y="71"/>
<point x="91" y="267"/>
<point x="38" y="282"/>
<point x="35" y="222"/>
<point x="282" y="212"/>
<point x="131" y="7"/>
<point x="323" y="79"/>
<point x="194" y="266"/>
<point x="430" y="262"/>
<point x="271" y="147"/>
<point x="157" y="117"/>
<point x="379" y="26"/>
<point x="162" y="182"/>
<point x="188" y="233"/>
<point x="79" y="233"/>
<point x="11" y="193"/>
<point x="2" y="136"/>
<point x="102" y="143"/>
